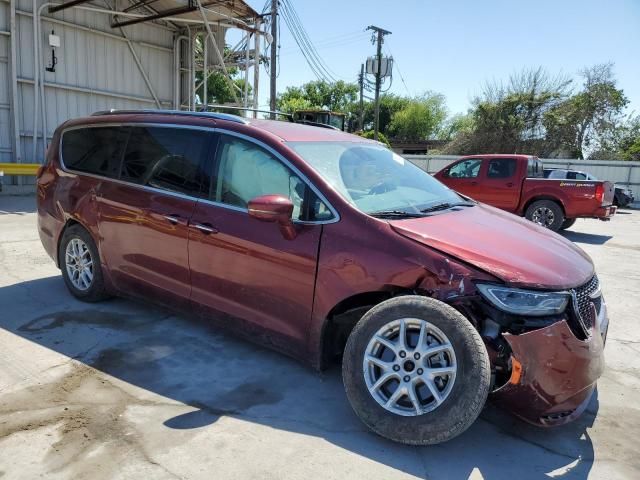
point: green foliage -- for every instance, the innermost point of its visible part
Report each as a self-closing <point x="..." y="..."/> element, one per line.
<point x="318" y="94"/>
<point x="381" y="137"/>
<point x="420" y="119"/>
<point x="455" y="125"/>
<point x="588" y="117"/>
<point x="507" y="117"/>
<point x="538" y="114"/>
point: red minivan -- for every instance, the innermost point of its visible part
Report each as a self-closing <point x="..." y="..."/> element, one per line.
<point x="328" y="246"/>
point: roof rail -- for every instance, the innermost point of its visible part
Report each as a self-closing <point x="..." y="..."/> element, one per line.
<point x="216" y="116"/>
<point x="249" y="109"/>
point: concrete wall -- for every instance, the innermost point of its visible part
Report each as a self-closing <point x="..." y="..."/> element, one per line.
<point x="619" y="172"/>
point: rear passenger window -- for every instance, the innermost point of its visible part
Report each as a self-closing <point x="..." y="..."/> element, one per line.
<point x="501" y="168"/>
<point x="167" y="158"/>
<point x="95" y="150"/>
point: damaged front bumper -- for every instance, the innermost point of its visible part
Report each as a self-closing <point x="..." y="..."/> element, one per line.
<point x="553" y="373"/>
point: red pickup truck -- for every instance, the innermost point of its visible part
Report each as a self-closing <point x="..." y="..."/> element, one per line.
<point x="516" y="183"/>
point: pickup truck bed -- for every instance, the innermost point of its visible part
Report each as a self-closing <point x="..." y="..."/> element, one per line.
<point x="516" y="183"/>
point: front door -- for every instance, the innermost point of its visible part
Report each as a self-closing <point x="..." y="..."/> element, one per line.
<point x="463" y="177"/>
<point x="243" y="270"/>
<point x="499" y="185"/>
<point x="144" y="215"/>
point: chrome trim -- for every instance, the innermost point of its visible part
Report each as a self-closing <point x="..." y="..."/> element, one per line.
<point x="203" y="228"/>
<point x="189" y="197"/>
<point x="172" y="218"/>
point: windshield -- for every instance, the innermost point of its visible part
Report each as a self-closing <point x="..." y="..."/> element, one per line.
<point x="375" y="179"/>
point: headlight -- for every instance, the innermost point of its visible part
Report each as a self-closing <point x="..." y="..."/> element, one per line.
<point x="524" y="302"/>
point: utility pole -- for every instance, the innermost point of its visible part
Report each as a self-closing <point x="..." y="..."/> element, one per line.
<point x="380" y="33"/>
<point x="361" y="82"/>
<point x="272" y="63"/>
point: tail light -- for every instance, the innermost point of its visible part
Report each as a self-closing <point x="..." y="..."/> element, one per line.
<point x="600" y="193"/>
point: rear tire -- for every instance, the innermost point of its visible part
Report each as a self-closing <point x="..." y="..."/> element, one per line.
<point x="568" y="223"/>
<point x="438" y="395"/>
<point x="546" y="213"/>
<point x="80" y="264"/>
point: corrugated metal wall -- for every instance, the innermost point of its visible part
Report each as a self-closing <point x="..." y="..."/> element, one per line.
<point x="95" y="70"/>
<point x="619" y="172"/>
<point x="5" y="92"/>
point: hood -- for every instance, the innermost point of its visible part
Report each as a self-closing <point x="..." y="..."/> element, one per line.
<point x="510" y="248"/>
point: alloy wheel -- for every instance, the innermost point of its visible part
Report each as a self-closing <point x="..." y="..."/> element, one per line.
<point x="409" y="367"/>
<point x="79" y="264"/>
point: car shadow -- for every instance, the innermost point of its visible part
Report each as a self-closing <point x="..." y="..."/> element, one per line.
<point x="212" y="374"/>
<point x="17" y="204"/>
<point x="590" y="238"/>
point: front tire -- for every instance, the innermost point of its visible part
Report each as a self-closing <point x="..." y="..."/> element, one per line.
<point x="416" y="371"/>
<point x="546" y="213"/>
<point x="80" y="264"/>
<point x="568" y="223"/>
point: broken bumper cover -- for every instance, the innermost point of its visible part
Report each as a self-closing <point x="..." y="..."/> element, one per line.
<point x="553" y="372"/>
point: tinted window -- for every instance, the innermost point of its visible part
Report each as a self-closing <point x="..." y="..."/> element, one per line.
<point x="245" y="171"/>
<point x="167" y="158"/>
<point x="96" y="150"/>
<point x="501" y="168"/>
<point x="466" y="169"/>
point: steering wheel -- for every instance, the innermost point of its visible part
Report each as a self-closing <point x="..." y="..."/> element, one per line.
<point x="382" y="187"/>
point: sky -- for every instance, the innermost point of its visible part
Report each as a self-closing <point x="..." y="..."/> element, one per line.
<point x="453" y="47"/>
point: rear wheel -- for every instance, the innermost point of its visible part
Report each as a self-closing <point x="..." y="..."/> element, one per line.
<point x="80" y="265"/>
<point x="567" y="223"/>
<point x="546" y="213"/>
<point x="416" y="371"/>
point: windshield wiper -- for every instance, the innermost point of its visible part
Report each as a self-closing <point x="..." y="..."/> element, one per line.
<point x="396" y="213"/>
<point x="445" y="206"/>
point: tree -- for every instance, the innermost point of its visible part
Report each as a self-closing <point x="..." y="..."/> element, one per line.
<point x="318" y="94"/>
<point x="456" y="125"/>
<point x="421" y="118"/>
<point x="507" y="117"/>
<point x="577" y="123"/>
<point x="389" y="105"/>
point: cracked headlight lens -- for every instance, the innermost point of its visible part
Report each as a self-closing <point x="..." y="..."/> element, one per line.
<point x="524" y="302"/>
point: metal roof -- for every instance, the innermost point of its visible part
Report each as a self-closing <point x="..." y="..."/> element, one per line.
<point x="235" y="13"/>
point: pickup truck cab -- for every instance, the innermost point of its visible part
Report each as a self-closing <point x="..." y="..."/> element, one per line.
<point x="516" y="183"/>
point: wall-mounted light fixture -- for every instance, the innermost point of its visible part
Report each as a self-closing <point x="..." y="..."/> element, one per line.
<point x="54" y="42"/>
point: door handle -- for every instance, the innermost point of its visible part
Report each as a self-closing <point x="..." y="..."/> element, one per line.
<point x="205" y="228"/>
<point x="473" y="184"/>
<point x="510" y="184"/>
<point x="172" y="219"/>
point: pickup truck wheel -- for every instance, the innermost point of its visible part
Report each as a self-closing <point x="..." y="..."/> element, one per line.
<point x="416" y="371"/>
<point x="80" y="265"/>
<point x="567" y="223"/>
<point x="546" y="213"/>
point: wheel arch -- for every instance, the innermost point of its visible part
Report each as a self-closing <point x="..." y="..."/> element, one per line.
<point x="71" y="221"/>
<point x="341" y="319"/>
<point x="536" y="198"/>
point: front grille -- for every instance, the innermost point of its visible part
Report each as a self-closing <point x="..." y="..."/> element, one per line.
<point x="584" y="297"/>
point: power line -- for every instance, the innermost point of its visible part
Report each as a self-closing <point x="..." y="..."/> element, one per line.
<point x="397" y="67"/>
<point x="317" y="64"/>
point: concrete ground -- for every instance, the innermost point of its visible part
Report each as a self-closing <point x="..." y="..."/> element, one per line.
<point x="125" y="390"/>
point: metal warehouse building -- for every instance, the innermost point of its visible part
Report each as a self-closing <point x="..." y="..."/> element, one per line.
<point x="60" y="60"/>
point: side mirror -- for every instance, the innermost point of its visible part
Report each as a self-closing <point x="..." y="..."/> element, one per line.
<point x="274" y="208"/>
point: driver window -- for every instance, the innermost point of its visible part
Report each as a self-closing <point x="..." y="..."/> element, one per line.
<point x="246" y="170"/>
<point x="466" y="169"/>
<point x="167" y="158"/>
